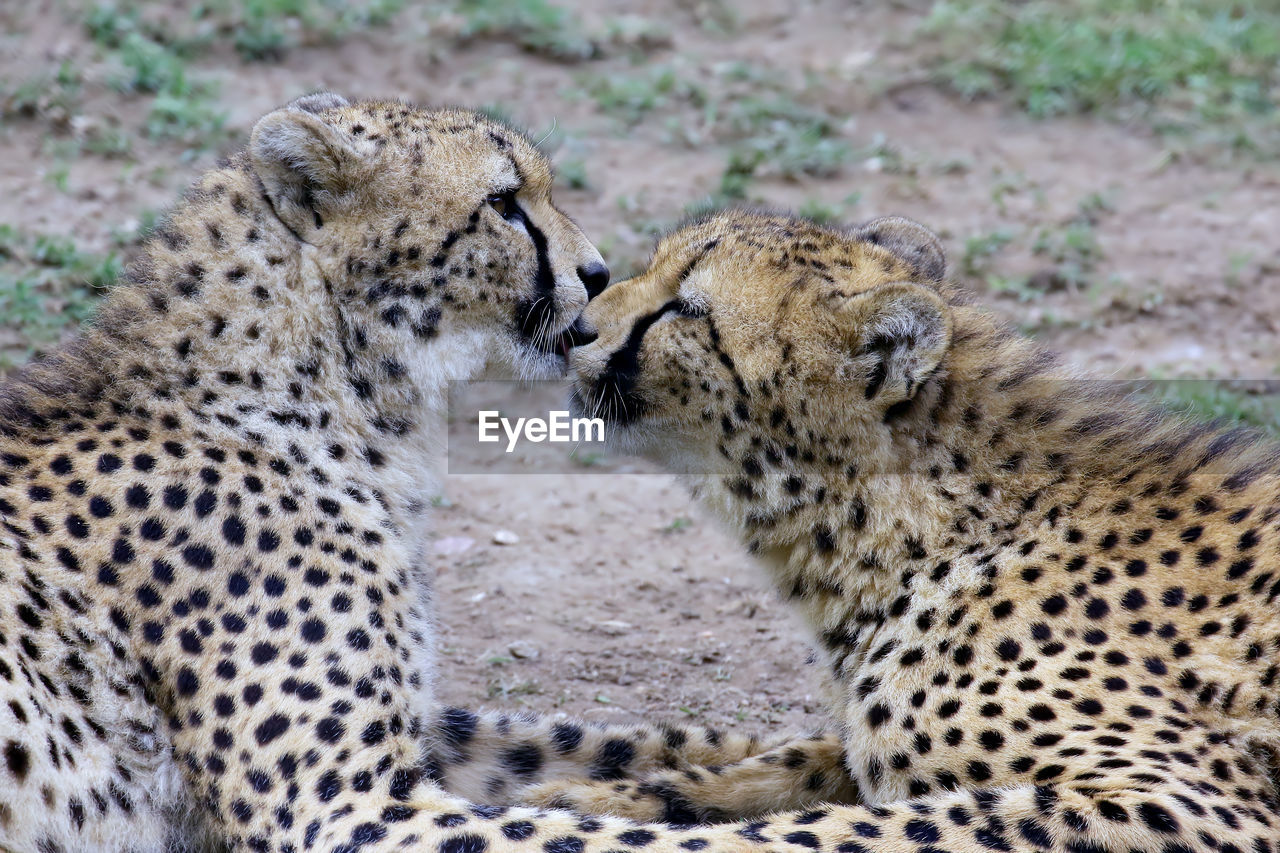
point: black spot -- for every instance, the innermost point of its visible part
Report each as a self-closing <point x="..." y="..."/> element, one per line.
<point x="328" y="786"/>
<point x="374" y="733"/>
<point x="313" y="630"/>
<point x="637" y="837"/>
<point x="330" y="730"/>
<point x="1113" y="811"/>
<point x="614" y="755"/>
<point x="17" y="759"/>
<point x="268" y="541"/>
<point x="518" y="830"/>
<point x="175" y="497"/>
<point x="233" y="530"/>
<point x="1134" y="599"/>
<point x="921" y="832"/>
<point x="77" y="527"/>
<point x="198" y="557"/>
<point x="991" y="740"/>
<point x="803" y="838"/>
<point x="568" y="844"/>
<point x="566" y="737"/>
<point x="1009" y="650"/>
<point x="271" y="728"/>
<point x="1158" y="818"/>
<point x="263" y="653"/>
<point x="187" y="683"/>
<point x="1054" y="604"/>
<point x="204" y="503"/>
<point x="465" y="843"/>
<point x="523" y="759"/>
<point x="458" y="726"/>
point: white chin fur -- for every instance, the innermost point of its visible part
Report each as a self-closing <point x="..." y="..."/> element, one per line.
<point x="536" y="364"/>
<point x="518" y="360"/>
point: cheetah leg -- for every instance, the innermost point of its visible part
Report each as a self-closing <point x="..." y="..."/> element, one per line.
<point x="796" y="774"/>
<point x="1183" y="816"/>
<point x="83" y="757"/>
<point x="1174" y="816"/>
<point x="489" y="756"/>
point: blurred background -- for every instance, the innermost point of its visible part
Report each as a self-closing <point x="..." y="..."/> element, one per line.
<point x="1102" y="172"/>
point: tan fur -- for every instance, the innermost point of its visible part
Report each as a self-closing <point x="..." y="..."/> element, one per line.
<point x="213" y="604"/>
<point x="1049" y="611"/>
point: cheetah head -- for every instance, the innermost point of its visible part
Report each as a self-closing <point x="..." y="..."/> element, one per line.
<point x="749" y="329"/>
<point x="432" y="224"/>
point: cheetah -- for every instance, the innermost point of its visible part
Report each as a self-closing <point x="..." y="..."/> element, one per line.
<point x="1047" y="610"/>
<point x="215" y="626"/>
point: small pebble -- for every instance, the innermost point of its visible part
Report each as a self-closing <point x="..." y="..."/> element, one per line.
<point x="523" y="650"/>
<point x="505" y="537"/>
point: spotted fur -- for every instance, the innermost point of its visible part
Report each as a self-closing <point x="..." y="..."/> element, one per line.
<point x="491" y="757"/>
<point x="1049" y="613"/>
<point x="214" y="612"/>
<point x="213" y="603"/>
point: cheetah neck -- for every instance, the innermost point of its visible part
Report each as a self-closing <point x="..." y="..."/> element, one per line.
<point x="1003" y="464"/>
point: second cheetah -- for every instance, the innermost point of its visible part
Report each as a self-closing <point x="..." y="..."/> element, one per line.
<point x="1049" y="612"/>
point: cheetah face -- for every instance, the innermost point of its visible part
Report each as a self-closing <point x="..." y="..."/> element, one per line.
<point x="746" y="324"/>
<point x="432" y="225"/>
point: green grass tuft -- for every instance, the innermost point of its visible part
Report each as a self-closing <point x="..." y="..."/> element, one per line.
<point x="632" y="95"/>
<point x="770" y="127"/>
<point x="1246" y="403"/>
<point x="47" y="286"/>
<point x="1186" y="66"/>
<point x="537" y="26"/>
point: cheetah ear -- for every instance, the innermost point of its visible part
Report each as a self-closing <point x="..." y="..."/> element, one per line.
<point x="306" y="165"/>
<point x="899" y="334"/>
<point x="908" y="240"/>
<point x="318" y="102"/>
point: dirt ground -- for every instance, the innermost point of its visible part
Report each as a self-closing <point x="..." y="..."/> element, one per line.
<point x="620" y="600"/>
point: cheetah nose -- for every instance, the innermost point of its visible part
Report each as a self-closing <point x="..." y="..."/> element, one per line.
<point x="595" y="276"/>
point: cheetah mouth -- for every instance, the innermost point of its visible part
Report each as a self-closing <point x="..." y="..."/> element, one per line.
<point x="613" y="395"/>
<point x="577" y="334"/>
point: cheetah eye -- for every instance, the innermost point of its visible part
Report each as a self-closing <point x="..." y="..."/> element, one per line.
<point x="504" y="204"/>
